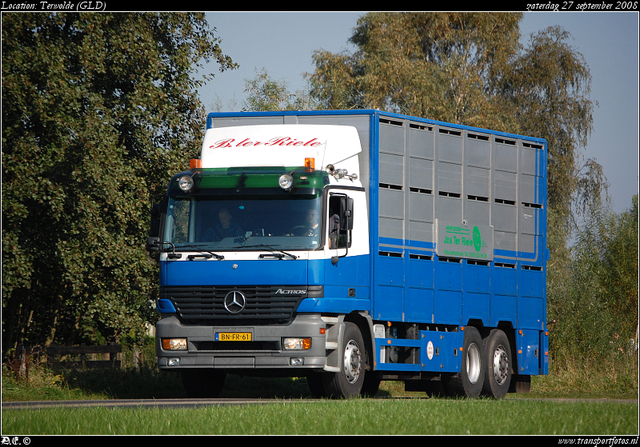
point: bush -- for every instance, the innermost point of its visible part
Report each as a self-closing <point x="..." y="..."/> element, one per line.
<point x="595" y="319"/>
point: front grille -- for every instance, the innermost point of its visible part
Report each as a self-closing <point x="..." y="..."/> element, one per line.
<point x="263" y="304"/>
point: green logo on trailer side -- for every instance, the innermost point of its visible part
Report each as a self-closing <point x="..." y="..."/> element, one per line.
<point x="464" y="241"/>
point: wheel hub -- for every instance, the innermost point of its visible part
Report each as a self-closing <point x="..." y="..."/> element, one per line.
<point x="500" y="365"/>
<point x="473" y="363"/>
<point x="352" y="361"/>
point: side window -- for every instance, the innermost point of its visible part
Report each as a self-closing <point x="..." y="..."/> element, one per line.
<point x="177" y="227"/>
<point x="340" y="221"/>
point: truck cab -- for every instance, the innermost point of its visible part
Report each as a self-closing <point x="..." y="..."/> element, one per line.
<point x="258" y="243"/>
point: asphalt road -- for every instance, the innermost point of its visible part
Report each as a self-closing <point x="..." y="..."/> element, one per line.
<point x="159" y="403"/>
<point x="192" y="403"/>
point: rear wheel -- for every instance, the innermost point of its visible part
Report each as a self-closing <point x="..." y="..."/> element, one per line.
<point x="498" y="358"/>
<point x="202" y="383"/>
<point x="468" y="382"/>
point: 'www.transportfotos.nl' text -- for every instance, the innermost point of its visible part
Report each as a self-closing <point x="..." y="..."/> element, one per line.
<point x="600" y="441"/>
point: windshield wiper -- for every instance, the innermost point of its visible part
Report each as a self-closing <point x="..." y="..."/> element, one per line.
<point x="280" y="254"/>
<point x="207" y="255"/>
<point x="204" y="253"/>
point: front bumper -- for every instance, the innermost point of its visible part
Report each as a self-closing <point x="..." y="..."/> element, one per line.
<point x="265" y="350"/>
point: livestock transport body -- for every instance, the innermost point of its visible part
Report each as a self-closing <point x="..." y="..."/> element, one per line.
<point x="350" y="247"/>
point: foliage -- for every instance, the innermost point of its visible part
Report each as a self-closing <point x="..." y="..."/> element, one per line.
<point x="598" y="316"/>
<point x="98" y="111"/>
<point x="439" y="66"/>
<point x="600" y="377"/>
<point x="266" y="94"/>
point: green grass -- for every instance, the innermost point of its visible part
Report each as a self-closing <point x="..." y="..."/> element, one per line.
<point x="323" y="417"/>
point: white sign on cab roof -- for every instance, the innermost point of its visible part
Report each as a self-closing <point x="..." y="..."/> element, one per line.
<point x="278" y="145"/>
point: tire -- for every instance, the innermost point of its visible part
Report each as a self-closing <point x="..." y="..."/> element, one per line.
<point x="202" y="383"/>
<point x="348" y="383"/>
<point x="498" y="359"/>
<point x="469" y="381"/>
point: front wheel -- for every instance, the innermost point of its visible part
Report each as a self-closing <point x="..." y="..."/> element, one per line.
<point x="348" y="382"/>
<point x="468" y="382"/>
<point x="498" y="358"/>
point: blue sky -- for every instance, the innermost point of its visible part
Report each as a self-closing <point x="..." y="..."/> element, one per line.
<point x="283" y="44"/>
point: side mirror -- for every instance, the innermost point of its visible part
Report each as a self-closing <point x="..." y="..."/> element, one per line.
<point x="346" y="213"/>
<point x="341" y="223"/>
<point x="153" y="244"/>
<point x="155" y="213"/>
<point x="153" y="241"/>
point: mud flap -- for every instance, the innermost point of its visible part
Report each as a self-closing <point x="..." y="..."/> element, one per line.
<point x="335" y="333"/>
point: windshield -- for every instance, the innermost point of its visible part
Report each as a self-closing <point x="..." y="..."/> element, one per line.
<point x="215" y="223"/>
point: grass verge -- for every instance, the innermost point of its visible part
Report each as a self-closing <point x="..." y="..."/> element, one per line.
<point x="353" y="417"/>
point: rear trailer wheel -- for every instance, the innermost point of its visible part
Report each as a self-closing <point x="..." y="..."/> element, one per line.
<point x="498" y="358"/>
<point x="202" y="383"/>
<point x="468" y="382"/>
<point x="348" y="382"/>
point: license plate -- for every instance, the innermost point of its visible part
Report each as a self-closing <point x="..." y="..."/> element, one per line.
<point x="233" y="336"/>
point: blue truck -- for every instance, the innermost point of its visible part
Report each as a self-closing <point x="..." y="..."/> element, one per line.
<point x="351" y="247"/>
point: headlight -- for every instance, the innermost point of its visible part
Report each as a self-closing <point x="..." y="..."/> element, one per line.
<point x="286" y="182"/>
<point x="174" y="344"/>
<point x="296" y="343"/>
<point x="185" y="183"/>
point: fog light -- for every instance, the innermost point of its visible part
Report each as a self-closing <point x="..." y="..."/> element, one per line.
<point x="296" y="361"/>
<point x="296" y="343"/>
<point x="173" y="361"/>
<point x="174" y="344"/>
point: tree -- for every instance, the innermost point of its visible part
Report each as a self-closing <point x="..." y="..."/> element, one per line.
<point x="265" y="94"/>
<point x="98" y="111"/>
<point x="618" y="253"/>
<point x="441" y="66"/>
<point x="599" y="313"/>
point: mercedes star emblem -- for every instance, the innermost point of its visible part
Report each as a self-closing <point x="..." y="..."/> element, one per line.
<point x="235" y="301"/>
